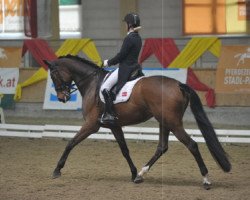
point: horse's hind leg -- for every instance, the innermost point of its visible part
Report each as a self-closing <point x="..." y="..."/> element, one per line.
<point x="161" y="149"/>
<point x="85" y="131"/>
<point x="192" y="146"/>
<point x="119" y="136"/>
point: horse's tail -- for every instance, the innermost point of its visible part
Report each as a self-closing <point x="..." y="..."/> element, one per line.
<point x="207" y="129"/>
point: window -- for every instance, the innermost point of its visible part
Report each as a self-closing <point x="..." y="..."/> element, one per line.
<point x="70" y="18"/>
<point x="216" y="17"/>
<point x="11" y="19"/>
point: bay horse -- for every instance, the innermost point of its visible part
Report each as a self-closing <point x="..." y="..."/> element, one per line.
<point x="163" y="98"/>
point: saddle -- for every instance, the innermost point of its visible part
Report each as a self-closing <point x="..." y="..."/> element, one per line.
<point x="126" y="90"/>
<point x="136" y="73"/>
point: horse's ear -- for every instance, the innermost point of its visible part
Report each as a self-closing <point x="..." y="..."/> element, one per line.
<point x="48" y="63"/>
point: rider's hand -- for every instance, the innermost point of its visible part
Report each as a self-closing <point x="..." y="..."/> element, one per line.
<point x="105" y="63"/>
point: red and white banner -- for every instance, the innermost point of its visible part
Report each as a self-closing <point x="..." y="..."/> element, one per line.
<point x="8" y="80"/>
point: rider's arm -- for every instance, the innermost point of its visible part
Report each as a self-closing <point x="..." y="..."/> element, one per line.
<point x="127" y="43"/>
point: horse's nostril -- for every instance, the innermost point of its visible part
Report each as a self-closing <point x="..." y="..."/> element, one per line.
<point x="61" y="100"/>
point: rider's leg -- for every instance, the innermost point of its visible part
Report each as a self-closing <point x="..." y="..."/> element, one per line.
<point x="110" y="81"/>
<point x="109" y="115"/>
<point x="123" y="76"/>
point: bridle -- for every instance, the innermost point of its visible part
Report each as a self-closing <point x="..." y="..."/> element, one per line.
<point x="67" y="88"/>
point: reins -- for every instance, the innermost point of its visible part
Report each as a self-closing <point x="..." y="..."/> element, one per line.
<point x="82" y="80"/>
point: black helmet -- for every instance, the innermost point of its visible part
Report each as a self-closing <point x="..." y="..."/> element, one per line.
<point x="132" y="20"/>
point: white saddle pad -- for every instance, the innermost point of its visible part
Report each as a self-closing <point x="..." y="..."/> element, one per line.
<point x="124" y="93"/>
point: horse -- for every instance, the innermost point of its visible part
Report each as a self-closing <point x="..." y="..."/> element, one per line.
<point x="163" y="98"/>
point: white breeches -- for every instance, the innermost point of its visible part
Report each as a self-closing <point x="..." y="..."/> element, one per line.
<point x="111" y="80"/>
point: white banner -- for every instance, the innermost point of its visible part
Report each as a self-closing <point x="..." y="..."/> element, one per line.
<point x="178" y="74"/>
<point x="51" y="102"/>
<point x="8" y="80"/>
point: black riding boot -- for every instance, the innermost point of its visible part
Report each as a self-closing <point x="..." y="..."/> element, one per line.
<point x="109" y="115"/>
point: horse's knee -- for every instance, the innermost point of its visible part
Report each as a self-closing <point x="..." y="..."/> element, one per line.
<point x="165" y="149"/>
<point x="192" y="146"/>
<point x="70" y="145"/>
<point x="161" y="150"/>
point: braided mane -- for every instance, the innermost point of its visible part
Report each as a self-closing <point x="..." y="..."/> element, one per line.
<point x="83" y="60"/>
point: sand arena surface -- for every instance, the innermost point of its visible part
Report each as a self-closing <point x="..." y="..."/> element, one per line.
<point x="96" y="170"/>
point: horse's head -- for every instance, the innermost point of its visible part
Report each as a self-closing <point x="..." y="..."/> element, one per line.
<point x="61" y="78"/>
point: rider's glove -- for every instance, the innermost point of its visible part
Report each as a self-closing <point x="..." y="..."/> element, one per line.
<point x="105" y="63"/>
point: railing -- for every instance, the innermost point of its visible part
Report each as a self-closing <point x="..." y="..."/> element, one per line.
<point x="133" y="133"/>
<point x="2" y="120"/>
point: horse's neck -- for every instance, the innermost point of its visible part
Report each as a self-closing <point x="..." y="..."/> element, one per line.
<point x="86" y="79"/>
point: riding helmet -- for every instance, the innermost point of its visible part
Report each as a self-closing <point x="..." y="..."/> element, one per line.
<point x="132" y="19"/>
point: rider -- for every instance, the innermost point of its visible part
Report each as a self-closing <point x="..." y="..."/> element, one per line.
<point x="128" y="62"/>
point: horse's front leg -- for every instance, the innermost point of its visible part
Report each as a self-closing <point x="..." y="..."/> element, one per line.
<point x="86" y="130"/>
<point x="119" y="136"/>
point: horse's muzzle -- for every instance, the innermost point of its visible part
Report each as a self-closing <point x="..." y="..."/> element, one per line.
<point x="62" y="100"/>
<point x="64" y="97"/>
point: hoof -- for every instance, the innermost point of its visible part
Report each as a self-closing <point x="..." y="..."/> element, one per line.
<point x="134" y="176"/>
<point x="207" y="186"/>
<point x="138" y="179"/>
<point x="56" y="174"/>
